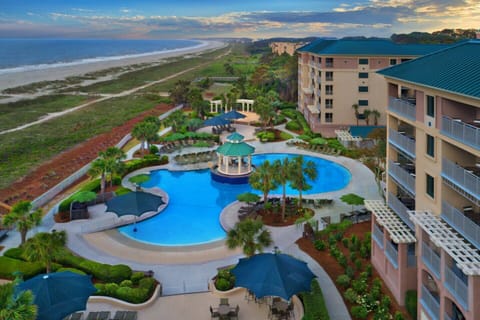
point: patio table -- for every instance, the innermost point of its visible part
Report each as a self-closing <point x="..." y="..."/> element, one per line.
<point x="223" y="311"/>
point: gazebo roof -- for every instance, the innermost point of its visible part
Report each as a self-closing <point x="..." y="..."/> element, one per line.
<point x="235" y="137"/>
<point x="237" y="149"/>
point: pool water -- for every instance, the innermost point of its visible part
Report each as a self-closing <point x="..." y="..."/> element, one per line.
<point x="195" y="202"/>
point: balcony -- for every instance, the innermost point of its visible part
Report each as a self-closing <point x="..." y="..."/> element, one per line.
<point x="403" y="143"/>
<point x="462" y="180"/>
<point x="392" y="254"/>
<point x="402" y="176"/>
<point x="400" y="209"/>
<point x="411" y="260"/>
<point x="378" y="235"/>
<point x="431" y="260"/>
<point x="457" y="287"/>
<point x="466" y="133"/>
<point x="402" y="108"/>
<point x="430" y="304"/>
<point x="461" y="223"/>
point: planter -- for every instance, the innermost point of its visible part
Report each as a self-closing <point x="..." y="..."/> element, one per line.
<point x="222" y="294"/>
<point x="127" y="305"/>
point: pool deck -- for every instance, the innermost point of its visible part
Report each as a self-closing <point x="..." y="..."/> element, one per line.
<point x="185" y="272"/>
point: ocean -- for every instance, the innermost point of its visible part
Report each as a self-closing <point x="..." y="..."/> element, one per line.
<point x="33" y="54"/>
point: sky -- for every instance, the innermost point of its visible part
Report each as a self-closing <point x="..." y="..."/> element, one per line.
<point x="185" y="19"/>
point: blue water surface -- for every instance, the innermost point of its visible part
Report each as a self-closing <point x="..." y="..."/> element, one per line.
<point x="195" y="202"/>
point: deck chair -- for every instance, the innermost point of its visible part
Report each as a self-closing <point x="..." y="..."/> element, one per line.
<point x="130" y="315"/>
<point x="224" y="302"/>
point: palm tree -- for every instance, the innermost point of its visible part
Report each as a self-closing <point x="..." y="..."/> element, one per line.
<point x="99" y="167"/>
<point x="355" y="107"/>
<point x="179" y="92"/>
<point x="263" y="179"/>
<point x="265" y="111"/>
<point x="45" y="247"/>
<point x="366" y="114"/>
<point x="308" y="218"/>
<point x="16" y="306"/>
<point x="114" y="157"/>
<point x="250" y="235"/>
<point x="282" y="176"/>
<point x="145" y="131"/>
<point x="376" y="115"/>
<point x="299" y="172"/>
<point x="107" y="164"/>
<point x="23" y="218"/>
<point x="176" y="119"/>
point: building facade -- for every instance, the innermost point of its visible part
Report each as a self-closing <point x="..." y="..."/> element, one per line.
<point x="334" y="75"/>
<point x="427" y="235"/>
<point x="289" y="48"/>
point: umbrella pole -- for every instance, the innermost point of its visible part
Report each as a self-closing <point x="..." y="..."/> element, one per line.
<point x="135" y="224"/>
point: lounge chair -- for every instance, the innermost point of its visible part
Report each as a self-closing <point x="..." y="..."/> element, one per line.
<point x="93" y="315"/>
<point x="103" y="315"/>
<point x="214" y="313"/>
<point x="130" y="315"/>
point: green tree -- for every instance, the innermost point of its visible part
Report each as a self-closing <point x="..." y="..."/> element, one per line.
<point x="100" y="168"/>
<point x="308" y="218"/>
<point x="229" y="69"/>
<point x="282" y="176"/>
<point x="300" y="170"/>
<point x="107" y="165"/>
<point x="23" y="217"/>
<point x="366" y="115"/>
<point x="263" y="179"/>
<point x="195" y="100"/>
<point x="240" y="84"/>
<point x="16" y="306"/>
<point x="45" y="247"/>
<point x="179" y="92"/>
<point x="114" y="158"/>
<point x="250" y="235"/>
<point x="265" y="111"/>
<point x="176" y="120"/>
<point x="355" y="108"/>
<point x="146" y="132"/>
<point x="376" y="115"/>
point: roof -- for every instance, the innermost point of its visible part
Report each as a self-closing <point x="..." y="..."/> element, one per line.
<point x="363" y="131"/>
<point x="235" y="137"/>
<point x="369" y="47"/>
<point x="235" y="149"/>
<point x="455" y="69"/>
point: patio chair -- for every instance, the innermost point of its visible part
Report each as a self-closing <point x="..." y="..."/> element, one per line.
<point x="119" y="315"/>
<point x="224" y="302"/>
<point x="93" y="315"/>
<point x="214" y="313"/>
<point x="104" y="315"/>
<point x="130" y="315"/>
<point x="76" y="316"/>
<point x="233" y="314"/>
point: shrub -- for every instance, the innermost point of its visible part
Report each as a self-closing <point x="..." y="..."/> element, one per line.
<point x="345" y="242"/>
<point x="117" y="273"/>
<point x="266" y="136"/>
<point x="364" y="251"/>
<point x="385" y="302"/>
<point x="285" y="135"/>
<point x="342" y="260"/>
<point x="289" y="113"/>
<point x="411" y="303"/>
<point x="349" y="272"/>
<point x="359" y="312"/>
<point x="332" y="240"/>
<point x="293" y="125"/>
<point x="122" y="190"/>
<point x="126" y="283"/>
<point x="147" y="161"/>
<point x="136" y="277"/>
<point x="338" y="236"/>
<point x="111" y="289"/>
<point x="350" y="295"/>
<point x="398" y="316"/>
<point x="225" y="280"/>
<point x="343" y="280"/>
<point x="319" y="245"/>
<point x="358" y="264"/>
<point x="153" y="149"/>
<point x="10" y="267"/>
<point x="71" y="270"/>
<point x="344" y="225"/>
<point x="15" y="253"/>
<point x="360" y="286"/>
<point x="352" y="256"/>
<point x="369" y="269"/>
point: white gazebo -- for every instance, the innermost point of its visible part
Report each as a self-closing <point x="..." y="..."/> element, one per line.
<point x="235" y="156"/>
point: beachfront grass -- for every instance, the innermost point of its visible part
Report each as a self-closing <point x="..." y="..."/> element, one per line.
<point x="17" y="113"/>
<point x="25" y="149"/>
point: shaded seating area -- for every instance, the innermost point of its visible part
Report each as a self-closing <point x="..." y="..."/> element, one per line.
<point x="100" y="315"/>
<point x="224" y="311"/>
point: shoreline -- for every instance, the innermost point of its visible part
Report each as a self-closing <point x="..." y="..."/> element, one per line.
<point x="24" y="77"/>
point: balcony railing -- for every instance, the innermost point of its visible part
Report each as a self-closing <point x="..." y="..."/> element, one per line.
<point x="378" y="235"/>
<point x="403" y="108"/>
<point x="461" y="131"/>
<point x="456" y="287"/>
<point x="430" y="304"/>
<point x="402" y="176"/>
<point x="392" y="254"/>
<point x="400" y="209"/>
<point x="461" y="223"/>
<point x="402" y="142"/>
<point x="461" y="178"/>
<point x="431" y="260"/>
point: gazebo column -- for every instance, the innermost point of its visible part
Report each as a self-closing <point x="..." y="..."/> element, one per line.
<point x="219" y="161"/>
<point x="239" y="164"/>
<point x="249" y="162"/>
<point x="228" y="165"/>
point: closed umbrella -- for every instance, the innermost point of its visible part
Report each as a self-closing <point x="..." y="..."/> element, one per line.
<point x="59" y="294"/>
<point x="273" y="274"/>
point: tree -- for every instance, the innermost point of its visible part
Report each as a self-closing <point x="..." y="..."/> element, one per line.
<point x="16" y="306"/>
<point x="179" y="92"/>
<point x="250" y="235"/>
<point x="107" y="165"/>
<point x="265" y="111"/>
<point x="99" y="167"/>
<point x="45" y="247"/>
<point x="114" y="157"/>
<point x="282" y="176"/>
<point x="175" y="120"/>
<point x="23" y="218"/>
<point x="229" y="69"/>
<point x="299" y="172"/>
<point x="263" y="179"/>
<point x="308" y="218"/>
<point x="366" y="115"/>
<point x="146" y="132"/>
<point x="376" y="115"/>
<point x="355" y="108"/>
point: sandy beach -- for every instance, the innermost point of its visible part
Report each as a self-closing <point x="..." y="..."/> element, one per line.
<point x="15" y="79"/>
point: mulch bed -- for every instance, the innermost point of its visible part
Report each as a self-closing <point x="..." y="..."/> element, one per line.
<point x="334" y="269"/>
<point x="41" y="179"/>
<point x="274" y="219"/>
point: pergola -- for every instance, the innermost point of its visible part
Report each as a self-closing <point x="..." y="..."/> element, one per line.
<point x="232" y="154"/>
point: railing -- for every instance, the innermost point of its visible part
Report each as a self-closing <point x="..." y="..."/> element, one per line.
<point x="430" y="304"/>
<point x="461" y="223"/>
<point x="456" y="287"/>
<point x="402" y="108"/>
<point x="400" y="209"/>
<point x="462" y="132"/>
<point x="378" y="235"/>
<point x="465" y="180"/>
<point x="402" y="142"/>
<point x="431" y="259"/>
<point x="402" y="176"/>
<point x="392" y="254"/>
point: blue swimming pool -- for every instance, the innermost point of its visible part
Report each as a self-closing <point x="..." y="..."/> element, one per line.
<point x="195" y="202"/>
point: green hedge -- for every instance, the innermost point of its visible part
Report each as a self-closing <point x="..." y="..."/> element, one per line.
<point x="12" y="266"/>
<point x="71" y="270"/>
<point x="126" y="292"/>
<point x="15" y="253"/>
<point x="314" y="304"/>
<point x="293" y="125"/>
<point x="147" y="161"/>
<point x="411" y="303"/>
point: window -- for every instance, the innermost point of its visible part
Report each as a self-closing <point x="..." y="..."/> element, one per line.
<point x="329" y="62"/>
<point x="363" y="75"/>
<point x="319" y="60"/>
<point x="430" y="186"/>
<point x="329" y="117"/>
<point x="363" y="103"/>
<point x="319" y="86"/>
<point x="319" y="73"/>
<point x="430" y="145"/>
<point x="404" y="60"/>
<point x="328" y="103"/>
<point x="329" y="75"/>
<point x="362" y="61"/>
<point x="363" y="89"/>
<point x="393" y="62"/>
<point x="329" y="89"/>
<point x="430" y="106"/>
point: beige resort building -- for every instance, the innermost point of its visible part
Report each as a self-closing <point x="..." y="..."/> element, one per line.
<point x="427" y="236"/>
<point x="289" y="48"/>
<point x="333" y="75"/>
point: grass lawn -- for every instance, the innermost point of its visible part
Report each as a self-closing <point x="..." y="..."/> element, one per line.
<point x="17" y="113"/>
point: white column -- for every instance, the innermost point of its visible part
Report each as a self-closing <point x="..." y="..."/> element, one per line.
<point x="219" y="160"/>
<point x="239" y="164"/>
<point x="249" y="162"/>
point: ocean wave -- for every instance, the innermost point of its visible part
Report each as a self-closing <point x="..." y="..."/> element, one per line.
<point x="98" y="59"/>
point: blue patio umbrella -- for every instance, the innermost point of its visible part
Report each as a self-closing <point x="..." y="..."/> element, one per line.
<point x="134" y="203"/>
<point x="58" y="294"/>
<point x="273" y="274"/>
<point x="232" y="115"/>
<point x="216" y="121"/>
